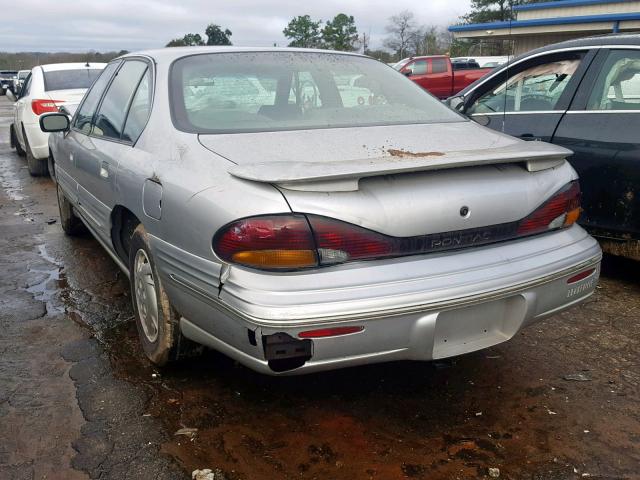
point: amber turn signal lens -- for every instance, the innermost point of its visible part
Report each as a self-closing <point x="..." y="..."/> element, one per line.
<point x="572" y="217"/>
<point x="276" y="258"/>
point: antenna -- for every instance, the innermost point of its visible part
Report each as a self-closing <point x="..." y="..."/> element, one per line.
<point x="506" y="85"/>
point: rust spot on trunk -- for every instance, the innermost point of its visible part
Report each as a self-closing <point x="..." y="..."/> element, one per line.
<point x="403" y="153"/>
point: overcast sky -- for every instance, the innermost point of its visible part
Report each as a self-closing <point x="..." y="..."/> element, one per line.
<point x="65" y="25"/>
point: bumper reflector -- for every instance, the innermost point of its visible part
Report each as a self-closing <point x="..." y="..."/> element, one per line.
<point x="330" y="332"/>
<point x="581" y="276"/>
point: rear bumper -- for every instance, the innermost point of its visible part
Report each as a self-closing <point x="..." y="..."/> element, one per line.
<point x="38" y="141"/>
<point x="418" y="308"/>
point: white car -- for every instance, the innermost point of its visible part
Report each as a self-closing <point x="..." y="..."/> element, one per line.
<point x="46" y="89"/>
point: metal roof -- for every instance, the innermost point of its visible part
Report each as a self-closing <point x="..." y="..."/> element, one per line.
<point x="172" y="53"/>
<point x="538" y="22"/>
<point x="564" y="3"/>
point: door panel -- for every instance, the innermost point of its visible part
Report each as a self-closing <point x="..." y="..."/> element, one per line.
<point x="602" y="130"/>
<point x="607" y="159"/>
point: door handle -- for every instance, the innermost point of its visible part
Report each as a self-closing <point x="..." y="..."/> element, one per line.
<point x="104" y="170"/>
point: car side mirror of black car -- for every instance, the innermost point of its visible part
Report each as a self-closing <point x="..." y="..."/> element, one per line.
<point x="456" y="103"/>
<point x="54" y="122"/>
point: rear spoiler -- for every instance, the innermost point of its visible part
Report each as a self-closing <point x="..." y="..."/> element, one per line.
<point x="345" y="175"/>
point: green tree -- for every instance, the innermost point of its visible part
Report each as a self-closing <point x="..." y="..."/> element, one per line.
<point x="303" y="32"/>
<point x="340" y="33"/>
<point x="217" y="36"/>
<point x="189" y="40"/>
<point x="483" y="11"/>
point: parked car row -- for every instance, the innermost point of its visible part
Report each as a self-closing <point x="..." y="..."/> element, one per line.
<point x="304" y="210"/>
<point x="6" y="80"/>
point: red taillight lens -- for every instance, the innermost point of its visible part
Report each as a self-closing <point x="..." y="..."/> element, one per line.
<point x="40" y="106"/>
<point x="340" y="242"/>
<point x="561" y="210"/>
<point x="270" y="242"/>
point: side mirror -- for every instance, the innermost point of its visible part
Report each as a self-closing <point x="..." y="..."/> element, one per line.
<point x="456" y="103"/>
<point x="408" y="72"/>
<point x="11" y="96"/>
<point x="54" y="122"/>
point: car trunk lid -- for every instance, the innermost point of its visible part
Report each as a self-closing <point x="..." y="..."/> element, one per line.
<point x="401" y="180"/>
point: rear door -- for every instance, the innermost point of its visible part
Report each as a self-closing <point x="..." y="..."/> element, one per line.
<point x="602" y="127"/>
<point x="527" y="100"/>
<point x="105" y="146"/>
<point x="20" y="106"/>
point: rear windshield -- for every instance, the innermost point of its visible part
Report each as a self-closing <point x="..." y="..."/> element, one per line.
<point x="70" y="79"/>
<point x="271" y="91"/>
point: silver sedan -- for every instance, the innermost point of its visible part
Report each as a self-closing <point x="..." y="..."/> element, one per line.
<point x="304" y="210"/>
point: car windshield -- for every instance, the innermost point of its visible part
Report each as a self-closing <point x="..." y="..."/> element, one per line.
<point x="268" y="91"/>
<point x="70" y="79"/>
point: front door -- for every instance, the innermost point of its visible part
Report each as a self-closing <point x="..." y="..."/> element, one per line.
<point x="527" y="100"/>
<point x="603" y="130"/>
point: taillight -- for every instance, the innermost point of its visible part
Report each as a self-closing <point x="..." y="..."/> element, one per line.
<point x="340" y="242"/>
<point x="270" y="242"/>
<point x="40" y="106"/>
<point x="296" y="241"/>
<point x="561" y="210"/>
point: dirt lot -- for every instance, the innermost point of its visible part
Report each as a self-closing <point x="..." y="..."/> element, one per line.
<point x="78" y="400"/>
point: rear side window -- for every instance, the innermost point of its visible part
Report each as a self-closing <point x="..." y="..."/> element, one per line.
<point x="438" y="65"/>
<point x="139" y="110"/>
<point x="84" y="116"/>
<point x="618" y="85"/>
<point x="113" y="109"/>
<point x="70" y="79"/>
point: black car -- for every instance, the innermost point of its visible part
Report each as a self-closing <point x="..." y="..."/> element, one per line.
<point x="584" y="95"/>
<point x="6" y="80"/>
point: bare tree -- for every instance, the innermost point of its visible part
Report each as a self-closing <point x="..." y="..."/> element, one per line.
<point x="399" y="30"/>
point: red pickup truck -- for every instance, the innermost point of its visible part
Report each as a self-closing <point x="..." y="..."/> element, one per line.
<point x="437" y="75"/>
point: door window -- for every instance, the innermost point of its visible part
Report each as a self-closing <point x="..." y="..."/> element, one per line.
<point x="618" y="85"/>
<point x="84" y="116"/>
<point x="113" y="109"/>
<point x="419" y="67"/>
<point x="536" y="88"/>
<point x="139" y="110"/>
<point x="438" y="65"/>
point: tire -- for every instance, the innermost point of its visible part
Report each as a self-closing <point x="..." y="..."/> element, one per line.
<point x="37" y="167"/>
<point x="14" y="141"/>
<point x="70" y="222"/>
<point x="156" y="320"/>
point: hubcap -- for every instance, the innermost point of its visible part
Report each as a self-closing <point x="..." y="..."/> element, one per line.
<point x="146" y="300"/>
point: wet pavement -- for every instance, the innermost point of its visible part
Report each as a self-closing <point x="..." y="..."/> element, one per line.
<point x="78" y="400"/>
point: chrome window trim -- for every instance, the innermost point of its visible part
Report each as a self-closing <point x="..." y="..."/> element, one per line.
<point x="530" y="112"/>
<point x="573" y="112"/>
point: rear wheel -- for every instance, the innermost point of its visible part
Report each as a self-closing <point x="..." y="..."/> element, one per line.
<point x="37" y="166"/>
<point x="156" y="320"/>
<point x="71" y="223"/>
<point x="14" y="141"/>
